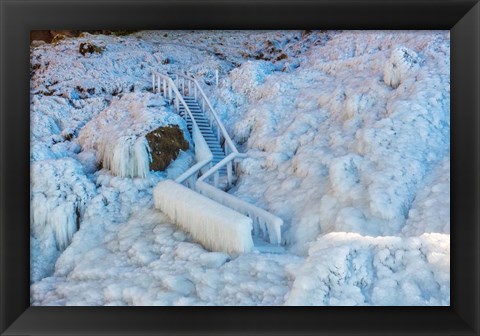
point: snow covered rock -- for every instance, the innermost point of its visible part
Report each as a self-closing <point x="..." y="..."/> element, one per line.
<point x="402" y="64"/>
<point x="117" y="134"/>
<point x="215" y="226"/>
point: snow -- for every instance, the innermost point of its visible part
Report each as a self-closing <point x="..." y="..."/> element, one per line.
<point x="333" y="141"/>
<point x="139" y="260"/>
<point x="348" y="142"/>
<point x="345" y="269"/>
<point x="402" y="65"/>
<point x="215" y="226"/>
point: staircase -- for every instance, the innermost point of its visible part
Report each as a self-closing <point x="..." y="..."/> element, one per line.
<point x="215" y="153"/>
<point x="206" y="130"/>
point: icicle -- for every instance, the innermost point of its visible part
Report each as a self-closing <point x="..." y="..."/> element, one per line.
<point x="126" y="157"/>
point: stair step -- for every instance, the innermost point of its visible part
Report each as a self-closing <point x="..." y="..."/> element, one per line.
<point x="191" y="108"/>
<point x="215" y="146"/>
<point x="200" y="122"/>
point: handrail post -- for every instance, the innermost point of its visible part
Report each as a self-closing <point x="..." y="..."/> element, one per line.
<point x="192" y="182"/>
<point x="153" y="82"/>
<point x="216" y="77"/>
<point x="164" y="87"/>
<point x="229" y="173"/>
<point x="158" y="84"/>
<point x="195" y="92"/>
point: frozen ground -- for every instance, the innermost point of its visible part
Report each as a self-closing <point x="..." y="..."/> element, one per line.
<point x="348" y="138"/>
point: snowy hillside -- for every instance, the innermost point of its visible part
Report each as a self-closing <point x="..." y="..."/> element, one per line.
<point x="348" y="141"/>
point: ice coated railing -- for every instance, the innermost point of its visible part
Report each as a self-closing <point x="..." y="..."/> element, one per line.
<point x="264" y="223"/>
<point x="203" y="155"/>
<point x="188" y="84"/>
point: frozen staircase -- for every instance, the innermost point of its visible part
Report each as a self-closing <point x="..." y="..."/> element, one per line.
<point x="206" y="130"/>
<point x="214" y="172"/>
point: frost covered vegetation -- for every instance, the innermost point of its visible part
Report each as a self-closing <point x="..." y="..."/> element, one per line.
<point x="348" y="141"/>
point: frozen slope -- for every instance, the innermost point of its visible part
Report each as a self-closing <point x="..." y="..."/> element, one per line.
<point x="351" y="154"/>
<point x="333" y="140"/>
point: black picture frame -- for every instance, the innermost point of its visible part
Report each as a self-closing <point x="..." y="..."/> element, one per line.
<point x="18" y="17"/>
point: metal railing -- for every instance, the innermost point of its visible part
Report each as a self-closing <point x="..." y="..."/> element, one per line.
<point x="189" y="86"/>
<point x="203" y="155"/>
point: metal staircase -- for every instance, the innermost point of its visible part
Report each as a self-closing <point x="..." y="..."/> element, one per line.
<point x="215" y="170"/>
<point x="205" y="129"/>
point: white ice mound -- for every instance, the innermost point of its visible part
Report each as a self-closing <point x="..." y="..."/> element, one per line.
<point x="403" y="63"/>
<point x="215" y="226"/>
<point x="117" y="134"/>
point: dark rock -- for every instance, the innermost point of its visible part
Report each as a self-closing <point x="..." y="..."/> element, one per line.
<point x="89" y="48"/>
<point x="165" y="144"/>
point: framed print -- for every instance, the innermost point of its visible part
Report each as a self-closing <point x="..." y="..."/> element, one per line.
<point x="226" y="167"/>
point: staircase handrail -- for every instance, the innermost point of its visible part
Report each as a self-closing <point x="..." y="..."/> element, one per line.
<point x="212" y="112"/>
<point x="206" y="156"/>
<point x="264" y="221"/>
<point x="178" y="96"/>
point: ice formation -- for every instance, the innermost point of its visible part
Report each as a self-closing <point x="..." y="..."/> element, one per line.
<point x="117" y="134"/>
<point x="60" y="192"/>
<point x="125" y="156"/>
<point x="215" y="226"/>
